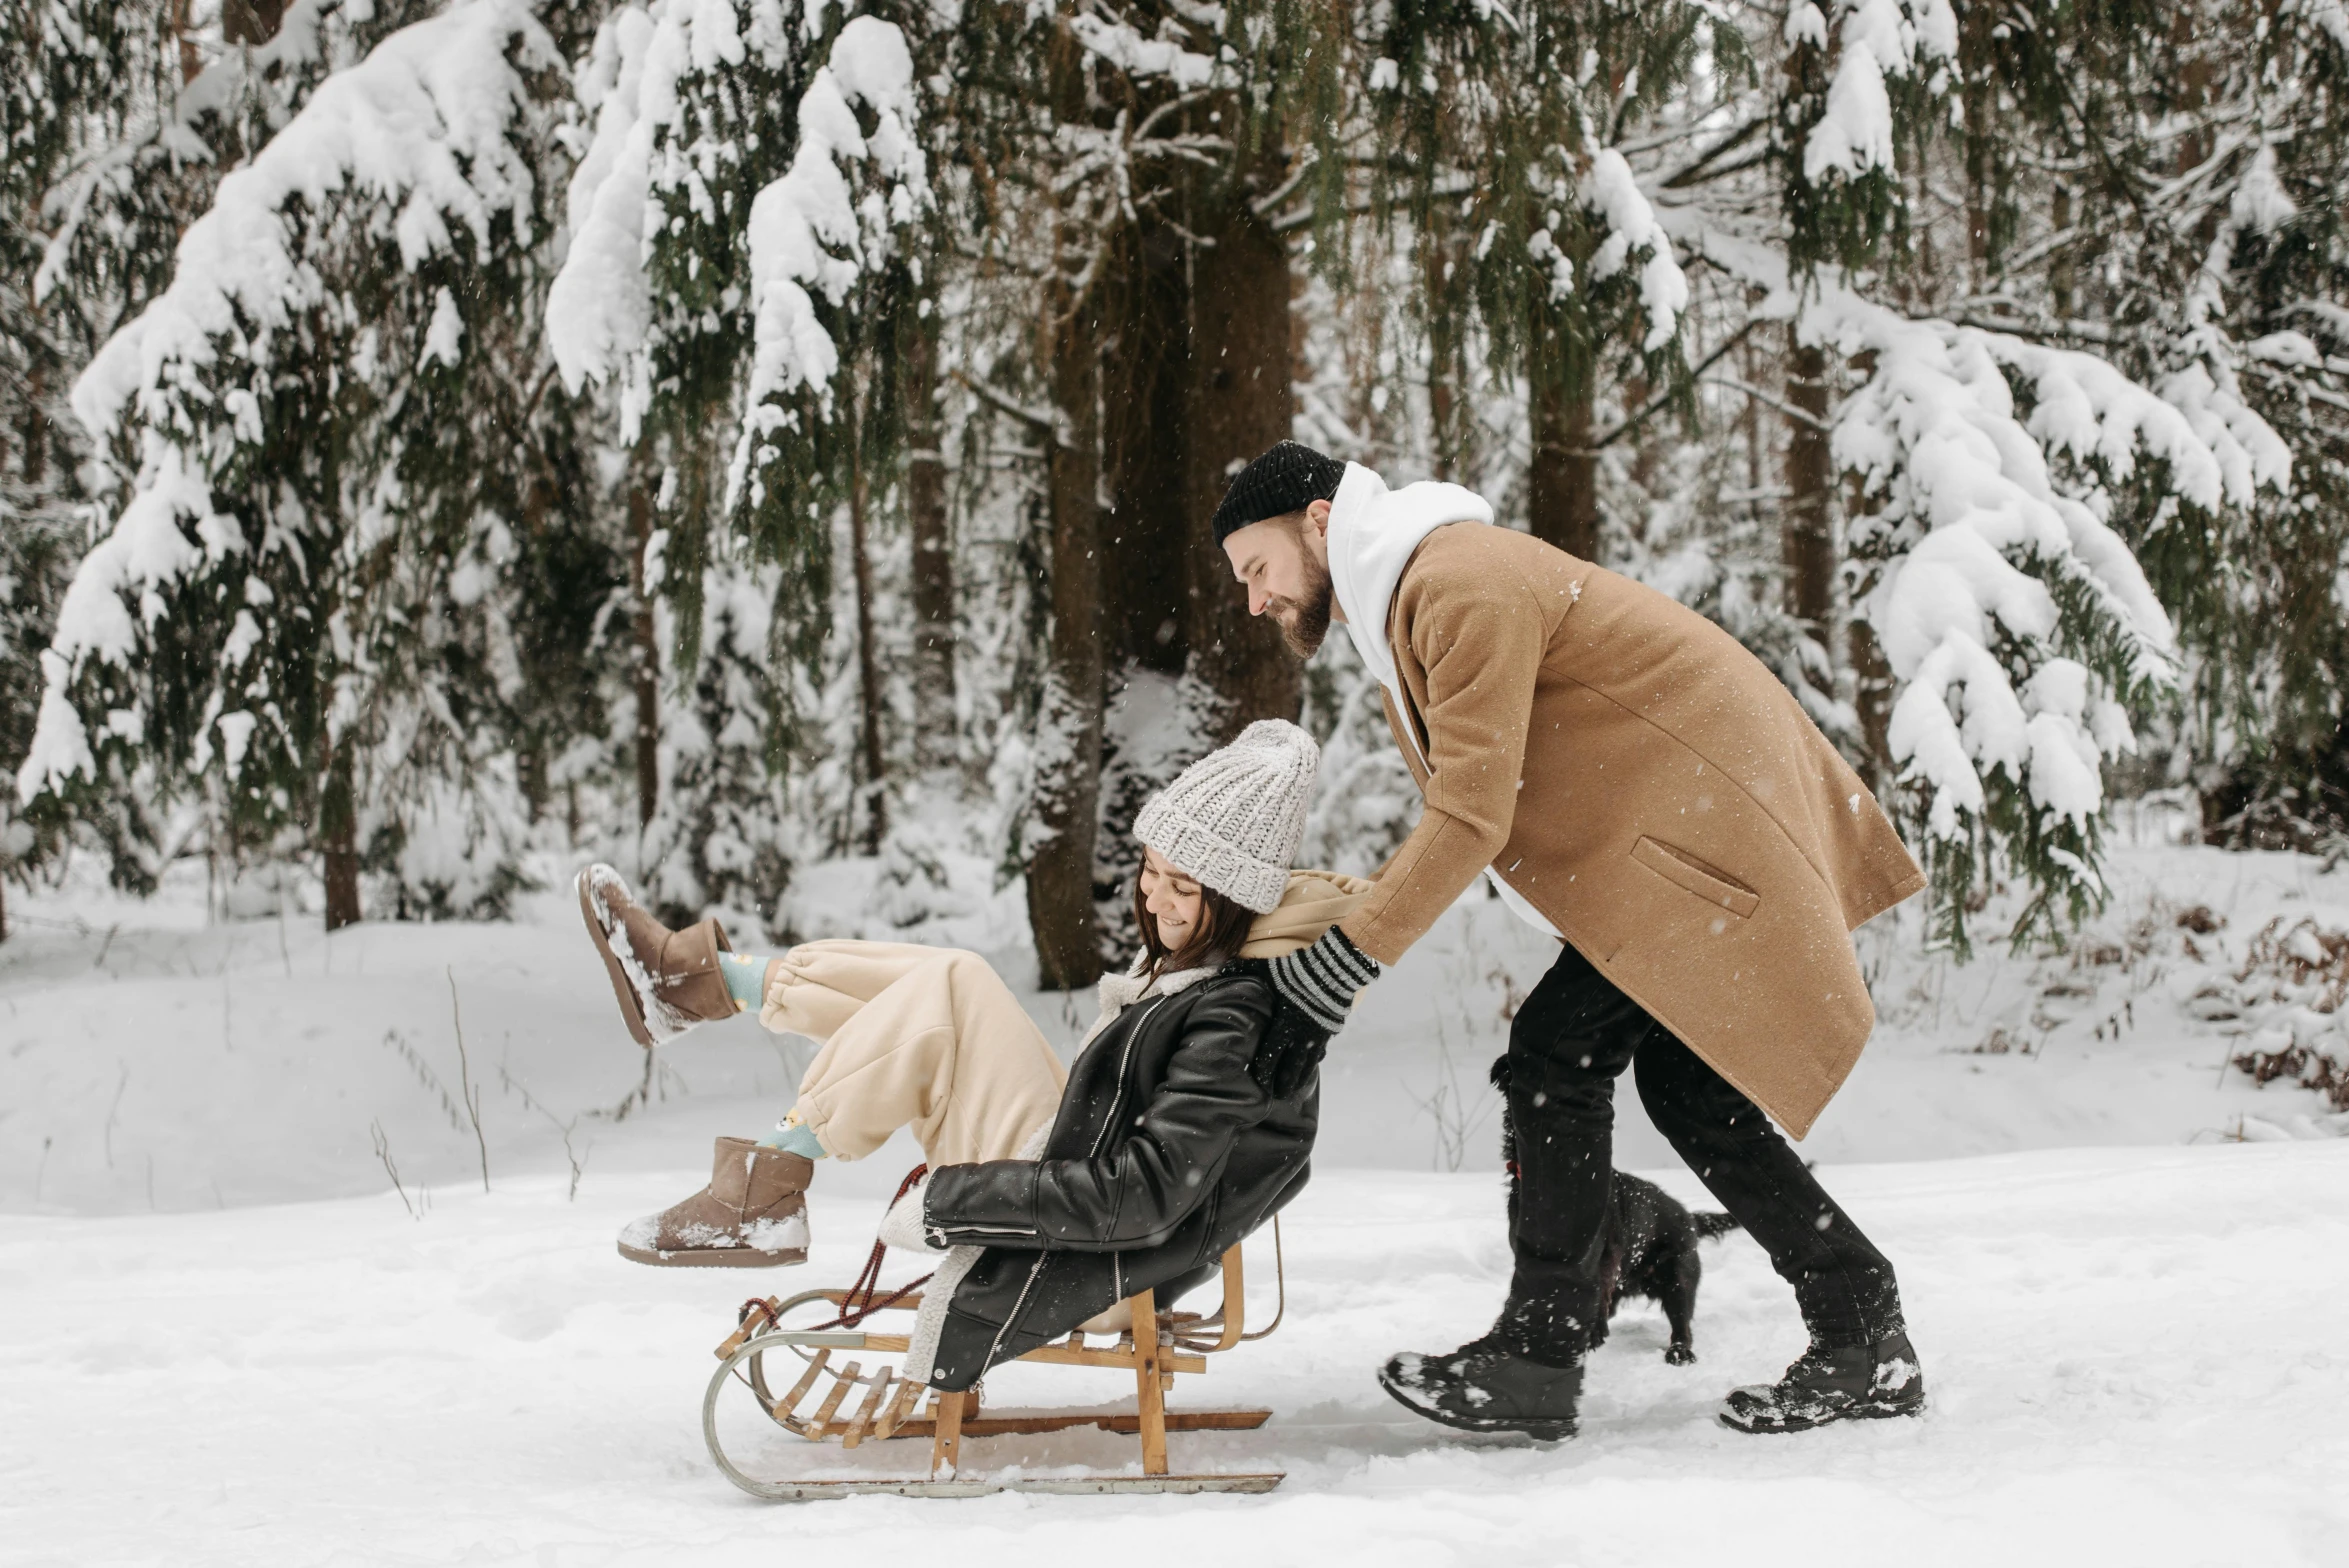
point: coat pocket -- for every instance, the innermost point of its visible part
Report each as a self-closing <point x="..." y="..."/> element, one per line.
<point x="1690" y="873"/>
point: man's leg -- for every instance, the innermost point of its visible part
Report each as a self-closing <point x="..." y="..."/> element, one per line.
<point x="1571" y="1040"/>
<point x="1860" y="1362"/>
<point x="1843" y="1284"/>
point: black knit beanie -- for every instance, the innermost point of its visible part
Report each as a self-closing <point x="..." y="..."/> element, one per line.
<point x="1282" y="481"/>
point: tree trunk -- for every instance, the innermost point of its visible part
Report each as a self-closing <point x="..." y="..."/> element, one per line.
<point x="935" y="728"/>
<point x="1443" y="346"/>
<point x="1061" y="916"/>
<point x="1142" y="295"/>
<point x="338" y="832"/>
<point x="1060" y="877"/>
<point x="648" y="659"/>
<point x="191" y="64"/>
<point x="1562" y="480"/>
<point x="1872" y="697"/>
<point x="1809" y="538"/>
<point x="251" y="21"/>
<point x="1238" y="403"/>
<point x="2060" y="274"/>
<point x="3" y="907"/>
<point x="1978" y="101"/>
<point x="868" y="676"/>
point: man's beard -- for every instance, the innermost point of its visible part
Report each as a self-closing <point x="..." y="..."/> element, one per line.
<point x="1304" y="620"/>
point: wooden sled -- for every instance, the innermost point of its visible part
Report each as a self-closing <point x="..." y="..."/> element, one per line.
<point x="813" y="1382"/>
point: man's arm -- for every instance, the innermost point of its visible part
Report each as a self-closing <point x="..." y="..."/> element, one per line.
<point x="1480" y="635"/>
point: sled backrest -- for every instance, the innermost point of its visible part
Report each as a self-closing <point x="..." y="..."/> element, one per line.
<point x="1230" y="1320"/>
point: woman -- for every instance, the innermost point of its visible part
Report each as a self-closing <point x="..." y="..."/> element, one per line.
<point x="1055" y="1193"/>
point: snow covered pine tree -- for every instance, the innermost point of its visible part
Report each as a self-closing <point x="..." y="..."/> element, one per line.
<point x="735" y="267"/>
<point x="268" y="631"/>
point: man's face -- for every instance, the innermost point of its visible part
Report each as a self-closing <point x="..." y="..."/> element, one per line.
<point x="1283" y="563"/>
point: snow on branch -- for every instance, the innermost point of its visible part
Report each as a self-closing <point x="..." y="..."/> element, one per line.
<point x="419" y="134"/>
<point x="810" y="230"/>
<point x="1610" y="190"/>
<point x="2017" y="621"/>
<point x="1879" y="38"/>
<point x="420" y="125"/>
<point x="1978" y="542"/>
<point x="809" y="233"/>
<point x="599" y="309"/>
<point x="1122" y="45"/>
<point x="299" y="45"/>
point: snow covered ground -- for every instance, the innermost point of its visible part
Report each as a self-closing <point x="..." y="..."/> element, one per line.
<point x="2134" y="1357"/>
<point x="225" y="1338"/>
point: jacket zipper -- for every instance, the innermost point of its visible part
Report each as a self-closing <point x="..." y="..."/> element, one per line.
<point x="1117" y="1272"/>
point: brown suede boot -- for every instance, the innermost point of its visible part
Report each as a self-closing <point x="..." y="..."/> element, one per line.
<point x="667" y="981"/>
<point x="752" y="1215"/>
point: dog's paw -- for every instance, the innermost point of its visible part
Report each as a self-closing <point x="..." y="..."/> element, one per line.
<point x="1679" y="1356"/>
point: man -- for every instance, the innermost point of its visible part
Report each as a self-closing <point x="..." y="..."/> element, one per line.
<point x="1642" y="788"/>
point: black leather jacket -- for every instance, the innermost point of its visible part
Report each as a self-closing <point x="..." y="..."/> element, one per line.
<point x="1165" y="1152"/>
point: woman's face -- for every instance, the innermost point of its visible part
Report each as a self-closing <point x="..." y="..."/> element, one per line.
<point x="1173" y="899"/>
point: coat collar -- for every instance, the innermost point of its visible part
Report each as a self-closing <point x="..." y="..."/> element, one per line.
<point x="1372" y="534"/>
<point x="1119" y="992"/>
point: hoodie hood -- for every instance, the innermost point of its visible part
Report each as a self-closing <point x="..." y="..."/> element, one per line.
<point x="1314" y="901"/>
<point x="1372" y="534"/>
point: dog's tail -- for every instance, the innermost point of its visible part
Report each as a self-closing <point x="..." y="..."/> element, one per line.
<point x="1712" y="1224"/>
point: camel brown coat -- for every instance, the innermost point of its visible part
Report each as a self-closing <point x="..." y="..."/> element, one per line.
<point x="1653" y="790"/>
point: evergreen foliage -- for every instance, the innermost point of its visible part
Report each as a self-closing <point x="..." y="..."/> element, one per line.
<point x="497" y="417"/>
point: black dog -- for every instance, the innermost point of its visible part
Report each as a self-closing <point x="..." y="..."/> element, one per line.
<point x="1650" y="1247"/>
<point x="1652" y="1251"/>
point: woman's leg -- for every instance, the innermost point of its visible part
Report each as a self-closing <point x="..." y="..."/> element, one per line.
<point x="922" y="1037"/>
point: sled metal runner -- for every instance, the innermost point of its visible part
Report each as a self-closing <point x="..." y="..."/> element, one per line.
<point x="827" y="1384"/>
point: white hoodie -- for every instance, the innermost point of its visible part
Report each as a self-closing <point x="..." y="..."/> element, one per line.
<point x="1373" y="532"/>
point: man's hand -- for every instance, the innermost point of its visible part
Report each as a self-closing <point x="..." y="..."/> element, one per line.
<point x="1292" y="1048"/>
<point x="1313" y="989"/>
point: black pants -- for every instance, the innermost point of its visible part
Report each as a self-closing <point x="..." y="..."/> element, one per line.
<point x="1571" y="1040"/>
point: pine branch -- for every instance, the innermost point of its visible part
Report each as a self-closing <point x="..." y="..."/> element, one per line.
<point x="1041" y="418"/>
<point x="1692" y="173"/>
<point x="1663" y="400"/>
<point x="1771" y="400"/>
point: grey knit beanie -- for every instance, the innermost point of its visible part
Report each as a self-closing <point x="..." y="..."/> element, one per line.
<point x="1234" y="818"/>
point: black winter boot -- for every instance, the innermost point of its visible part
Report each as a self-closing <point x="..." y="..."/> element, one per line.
<point x="1861" y="1382"/>
<point x="1485" y="1387"/>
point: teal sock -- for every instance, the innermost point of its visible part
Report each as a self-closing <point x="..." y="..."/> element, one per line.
<point x="746" y="979"/>
<point x="794" y="1138"/>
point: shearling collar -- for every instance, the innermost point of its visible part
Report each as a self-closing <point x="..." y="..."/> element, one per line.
<point x="1372" y="533"/>
<point x="1119" y="992"/>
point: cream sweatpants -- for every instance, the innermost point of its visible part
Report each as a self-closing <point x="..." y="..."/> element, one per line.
<point x="922" y="1037"/>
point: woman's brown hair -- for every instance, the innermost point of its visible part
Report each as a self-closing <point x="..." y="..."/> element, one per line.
<point x="1223" y="926"/>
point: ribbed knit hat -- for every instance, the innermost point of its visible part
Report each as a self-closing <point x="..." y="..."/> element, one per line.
<point x="1284" y="480"/>
<point x="1234" y="818"/>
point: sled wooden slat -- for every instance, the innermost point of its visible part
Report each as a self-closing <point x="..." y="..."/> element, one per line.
<point x="899" y="1408"/>
<point x="819" y="1425"/>
<point x="865" y="1412"/>
<point x="807" y="1380"/>
<point x="1120" y="1358"/>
